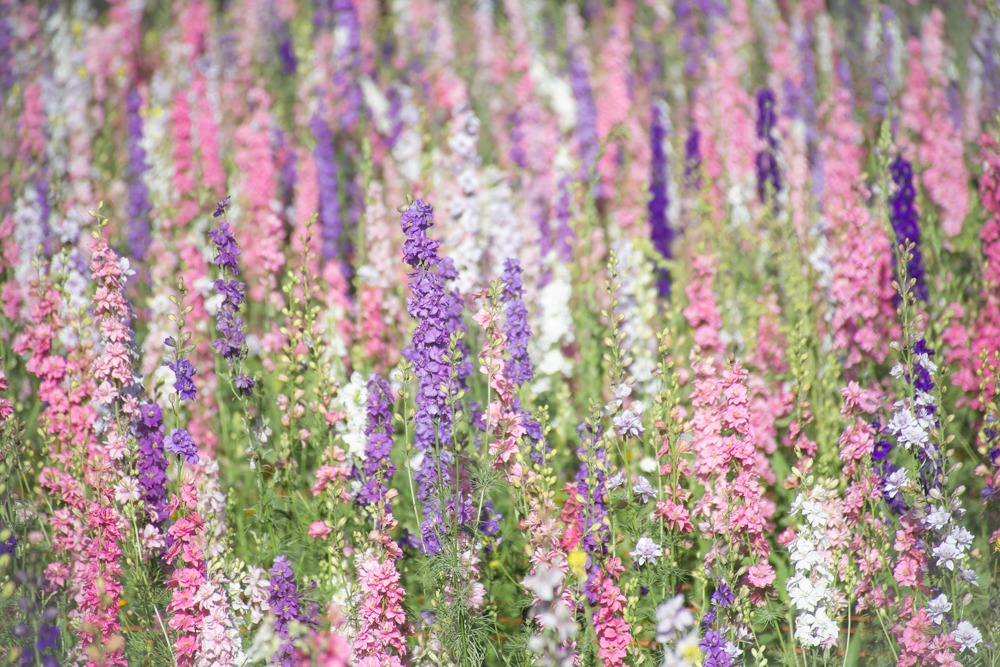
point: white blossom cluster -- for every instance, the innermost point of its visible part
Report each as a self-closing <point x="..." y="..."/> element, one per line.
<point x="811" y="589"/>
<point x="353" y="400"/>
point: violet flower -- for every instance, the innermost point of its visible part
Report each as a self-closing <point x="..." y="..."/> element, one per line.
<point x="438" y="316"/>
<point x="377" y="468"/>
<point x="517" y="368"/>
<point x="139" y="208"/>
<point x="232" y="345"/>
<point x="904" y="218"/>
<point x="284" y="604"/>
<point x="660" y="232"/>
<point x="151" y="462"/>
<point x="768" y="177"/>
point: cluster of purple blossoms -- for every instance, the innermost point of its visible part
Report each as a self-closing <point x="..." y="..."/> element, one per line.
<point x="283" y="602"/>
<point x="233" y="343"/>
<point x="330" y="222"/>
<point x="139" y="208"/>
<point x="903" y="215"/>
<point x="518" y="368"/>
<point x="586" y="114"/>
<point x="180" y="442"/>
<point x="692" y="159"/>
<point x="377" y="468"/>
<point x="438" y="316"/>
<point x="768" y="177"/>
<point x="34" y="651"/>
<point x="660" y="232"/>
<point x="719" y="651"/>
<point x="151" y="462"/>
<point x="184" y="372"/>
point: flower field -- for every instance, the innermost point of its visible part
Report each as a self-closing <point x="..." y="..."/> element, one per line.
<point x="499" y="333"/>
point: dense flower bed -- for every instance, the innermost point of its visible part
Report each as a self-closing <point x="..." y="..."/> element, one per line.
<point x="499" y="333"/>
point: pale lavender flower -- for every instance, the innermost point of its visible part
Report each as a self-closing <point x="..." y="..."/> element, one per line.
<point x="646" y="551"/>
<point x="967" y="636"/>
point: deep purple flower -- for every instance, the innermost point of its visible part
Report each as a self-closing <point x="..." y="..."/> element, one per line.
<point x="232" y="345"/>
<point x="660" y="232"/>
<point x="692" y="159"/>
<point x="227" y="251"/>
<point x="220" y="208"/>
<point x="8" y="546"/>
<point x="768" y="177"/>
<point x="180" y="442"/>
<point x="184" y="372"/>
<point x="713" y="645"/>
<point x="151" y="462"/>
<point x="47" y="636"/>
<point x="283" y="602"/>
<point x="904" y="218"/>
<point x="517" y="368"/>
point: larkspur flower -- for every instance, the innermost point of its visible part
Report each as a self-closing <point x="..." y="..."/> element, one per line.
<point x="967" y="636"/>
<point x="180" y="442"/>
<point x="646" y="551"/>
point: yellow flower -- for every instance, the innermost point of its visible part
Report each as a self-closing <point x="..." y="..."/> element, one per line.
<point x="996" y="547"/>
<point x="121" y="602"/>
<point x="577" y="561"/>
<point x="691" y="653"/>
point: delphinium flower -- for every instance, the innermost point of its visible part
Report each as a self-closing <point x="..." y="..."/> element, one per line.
<point x="219" y="638"/>
<point x="6" y="405"/>
<point x="151" y="463"/>
<point x="503" y="419"/>
<point x="556" y="625"/>
<point x="702" y="312"/>
<point x="692" y="159"/>
<point x="284" y="603"/>
<point x="113" y="375"/>
<point x="678" y="633"/>
<point x="861" y="283"/>
<point x="327" y="179"/>
<point x="593" y="520"/>
<point x="139" y="208"/>
<point x="932" y="546"/>
<point x="905" y="223"/>
<point x="811" y="589"/>
<point x="636" y="309"/>
<point x="187" y="557"/>
<point x="613" y="632"/>
<point x="768" y="177"/>
<point x="377" y="469"/>
<point x="380" y="636"/>
<point x="925" y="111"/>
<point x="732" y="509"/>
<point x="517" y="367"/>
<point x="233" y="345"/>
<point x="585" y="128"/>
<point x="437" y="315"/>
<point x="466" y="238"/>
<point x="660" y="232"/>
<point x="554" y="330"/>
<point x="646" y="551"/>
<point x="613" y="97"/>
<point x="257" y="184"/>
